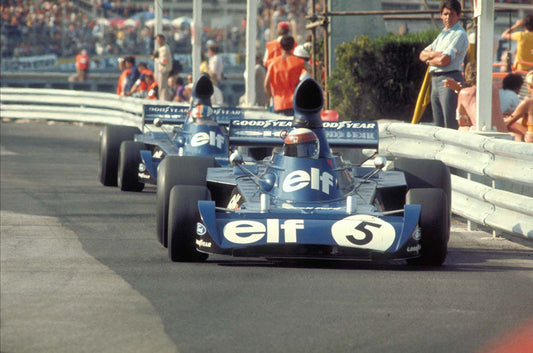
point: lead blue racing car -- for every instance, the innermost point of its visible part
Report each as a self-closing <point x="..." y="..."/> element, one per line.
<point x="306" y="202"/>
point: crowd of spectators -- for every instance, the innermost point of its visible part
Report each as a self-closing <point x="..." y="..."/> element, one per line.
<point x="61" y="27"/>
<point x="30" y="28"/>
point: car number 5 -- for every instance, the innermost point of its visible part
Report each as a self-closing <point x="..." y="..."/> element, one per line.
<point x="363" y="231"/>
<point x="367" y="233"/>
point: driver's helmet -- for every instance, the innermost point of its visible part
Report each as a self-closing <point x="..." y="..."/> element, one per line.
<point x="201" y="114"/>
<point x="301" y="142"/>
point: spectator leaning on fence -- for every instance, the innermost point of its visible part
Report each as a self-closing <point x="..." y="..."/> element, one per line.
<point x="444" y="57"/>
<point x="152" y="88"/>
<point x="131" y="76"/>
<point x="122" y="78"/>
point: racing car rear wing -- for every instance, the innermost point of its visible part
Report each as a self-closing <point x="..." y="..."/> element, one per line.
<point x="254" y="132"/>
<point x="176" y="114"/>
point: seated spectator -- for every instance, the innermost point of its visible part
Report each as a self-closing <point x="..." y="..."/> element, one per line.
<point x="467" y="105"/>
<point x="509" y="99"/>
<point x="520" y="122"/>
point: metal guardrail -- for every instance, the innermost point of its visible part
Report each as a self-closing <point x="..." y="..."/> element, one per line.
<point x="502" y="164"/>
<point x="495" y="162"/>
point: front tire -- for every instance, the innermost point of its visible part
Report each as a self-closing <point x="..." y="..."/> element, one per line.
<point x="111" y="137"/>
<point x="183" y="215"/>
<point x="177" y="170"/>
<point x="425" y="173"/>
<point x="128" y="166"/>
<point x="434" y="225"/>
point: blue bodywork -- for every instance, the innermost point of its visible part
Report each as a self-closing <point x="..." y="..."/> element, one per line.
<point x="187" y="138"/>
<point x="294" y="207"/>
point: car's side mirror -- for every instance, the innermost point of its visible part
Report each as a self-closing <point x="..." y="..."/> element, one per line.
<point x="379" y="162"/>
<point x="236" y="158"/>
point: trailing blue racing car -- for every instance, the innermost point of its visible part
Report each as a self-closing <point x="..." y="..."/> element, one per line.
<point x="130" y="158"/>
<point x="307" y="202"/>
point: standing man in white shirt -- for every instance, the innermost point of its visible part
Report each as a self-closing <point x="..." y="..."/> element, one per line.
<point x="216" y="66"/>
<point x="445" y="57"/>
<point x="163" y="65"/>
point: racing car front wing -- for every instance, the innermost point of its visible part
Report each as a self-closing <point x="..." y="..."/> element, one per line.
<point x="281" y="233"/>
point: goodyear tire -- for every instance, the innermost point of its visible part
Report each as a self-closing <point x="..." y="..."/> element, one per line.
<point x="434" y="225"/>
<point x="183" y="215"/>
<point x="111" y="137"/>
<point x="176" y="170"/>
<point x="128" y="166"/>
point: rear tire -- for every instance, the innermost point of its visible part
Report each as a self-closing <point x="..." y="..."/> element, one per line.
<point x="111" y="137"/>
<point x="434" y="225"/>
<point x="183" y="215"/>
<point x="176" y="170"/>
<point x="128" y="166"/>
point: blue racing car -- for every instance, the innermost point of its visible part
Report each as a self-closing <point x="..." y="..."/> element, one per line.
<point x="306" y="202"/>
<point x="130" y="158"/>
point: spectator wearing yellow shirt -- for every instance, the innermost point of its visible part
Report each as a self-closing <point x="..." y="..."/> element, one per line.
<point x="524" y="40"/>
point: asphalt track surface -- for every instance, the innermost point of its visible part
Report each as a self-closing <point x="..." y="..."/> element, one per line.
<point x="81" y="271"/>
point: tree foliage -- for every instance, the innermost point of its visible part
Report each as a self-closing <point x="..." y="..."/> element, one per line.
<point x="378" y="78"/>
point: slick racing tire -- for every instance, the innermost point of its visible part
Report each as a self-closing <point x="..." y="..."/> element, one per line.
<point x="177" y="170"/>
<point x="434" y="225"/>
<point x="425" y="173"/>
<point x="183" y="215"/>
<point x="111" y="137"/>
<point x="128" y="166"/>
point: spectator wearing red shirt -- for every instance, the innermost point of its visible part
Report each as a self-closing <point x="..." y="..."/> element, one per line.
<point x="273" y="48"/>
<point x="82" y="66"/>
<point x="152" y="89"/>
<point x="283" y="76"/>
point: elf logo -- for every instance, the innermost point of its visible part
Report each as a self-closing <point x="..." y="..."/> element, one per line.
<point x="249" y="232"/>
<point x="204" y="138"/>
<point x="300" y="179"/>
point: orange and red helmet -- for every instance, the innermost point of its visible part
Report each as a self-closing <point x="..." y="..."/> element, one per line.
<point x="301" y="142"/>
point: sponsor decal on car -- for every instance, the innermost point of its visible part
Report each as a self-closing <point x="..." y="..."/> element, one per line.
<point x="203" y="244"/>
<point x="200" y="229"/>
<point x="262" y="123"/>
<point x="348" y="124"/>
<point x="414" y="248"/>
<point x="300" y="179"/>
<point x="363" y="231"/>
<point x="204" y="138"/>
<point x="249" y="232"/>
